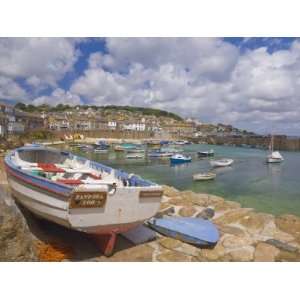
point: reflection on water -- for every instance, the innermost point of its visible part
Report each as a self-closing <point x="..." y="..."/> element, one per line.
<point x="272" y="188"/>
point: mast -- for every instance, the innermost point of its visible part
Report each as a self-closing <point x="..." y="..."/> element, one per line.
<point x="272" y="143"/>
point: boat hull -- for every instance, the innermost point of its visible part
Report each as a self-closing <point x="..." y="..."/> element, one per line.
<point x="200" y="177"/>
<point x="216" y="164"/>
<point x="123" y="208"/>
<point x="179" y="161"/>
<point x="274" y="160"/>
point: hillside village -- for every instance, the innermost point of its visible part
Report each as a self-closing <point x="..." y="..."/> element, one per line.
<point x="63" y="118"/>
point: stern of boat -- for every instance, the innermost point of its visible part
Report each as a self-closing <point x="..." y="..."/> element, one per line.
<point x="103" y="210"/>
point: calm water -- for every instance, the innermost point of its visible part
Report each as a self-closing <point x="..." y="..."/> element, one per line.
<point x="272" y="188"/>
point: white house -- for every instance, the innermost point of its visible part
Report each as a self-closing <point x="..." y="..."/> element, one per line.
<point x="112" y="125"/>
<point x="134" y="126"/>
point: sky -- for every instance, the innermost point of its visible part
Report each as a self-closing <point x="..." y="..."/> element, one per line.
<point x="251" y="83"/>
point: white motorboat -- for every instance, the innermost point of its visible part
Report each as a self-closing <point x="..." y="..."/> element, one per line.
<point x="225" y="162"/>
<point x="204" y="176"/>
<point x="81" y="194"/>
<point x="210" y="152"/>
<point x="135" y="156"/>
<point x="274" y="156"/>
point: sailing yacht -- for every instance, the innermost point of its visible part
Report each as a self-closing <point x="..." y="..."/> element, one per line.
<point x="274" y="156"/>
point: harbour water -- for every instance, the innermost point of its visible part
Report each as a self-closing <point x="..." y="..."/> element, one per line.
<point x="271" y="188"/>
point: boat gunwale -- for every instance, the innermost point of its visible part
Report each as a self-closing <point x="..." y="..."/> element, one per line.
<point x="43" y="182"/>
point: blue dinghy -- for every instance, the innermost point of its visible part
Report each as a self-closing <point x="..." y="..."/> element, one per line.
<point x="195" y="231"/>
<point x="179" y="158"/>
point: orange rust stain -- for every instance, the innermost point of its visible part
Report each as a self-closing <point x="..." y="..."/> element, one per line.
<point x="53" y="252"/>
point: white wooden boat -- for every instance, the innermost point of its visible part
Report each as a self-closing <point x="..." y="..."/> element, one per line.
<point x="80" y="194"/>
<point x="210" y="152"/>
<point x="274" y="156"/>
<point x="100" y="150"/>
<point x="225" y="162"/>
<point x="159" y="153"/>
<point x="204" y="176"/>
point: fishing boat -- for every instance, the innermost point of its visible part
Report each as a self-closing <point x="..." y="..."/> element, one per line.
<point x="274" y="156"/>
<point x="86" y="147"/>
<point x="210" y="152"/>
<point x="159" y="153"/>
<point x="119" y="148"/>
<point x="101" y="144"/>
<point x="179" y="158"/>
<point x="225" y="162"/>
<point x="204" y="176"/>
<point x="137" y="150"/>
<point x="135" y="156"/>
<point x="125" y="147"/>
<point x="81" y="194"/>
<point x="181" y="143"/>
<point x="195" y="231"/>
<point x="100" y="150"/>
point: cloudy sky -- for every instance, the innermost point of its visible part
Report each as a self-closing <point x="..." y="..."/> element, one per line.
<point x="252" y="83"/>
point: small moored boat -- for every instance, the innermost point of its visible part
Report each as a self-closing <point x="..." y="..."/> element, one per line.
<point x="274" y="156"/>
<point x="135" y="156"/>
<point x="79" y="193"/>
<point x="179" y="158"/>
<point x="225" y="162"/>
<point x="210" y="152"/>
<point x="159" y="153"/>
<point x="204" y="176"/>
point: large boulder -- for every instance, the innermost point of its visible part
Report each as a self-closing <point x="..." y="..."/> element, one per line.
<point x="180" y="201"/>
<point x="140" y="253"/>
<point x="169" y="243"/>
<point x="226" y="205"/>
<point x="265" y="252"/>
<point x="16" y="241"/>
<point x="289" y="224"/>
<point x="187" y="211"/>
<point x="214" y="254"/>
<point x="193" y="198"/>
<point x="243" y="254"/>
<point x="206" y="214"/>
<point x="281" y="245"/>
<point x="233" y="230"/>
<point x="288" y="256"/>
<point x="214" y="200"/>
<point x="170" y="210"/>
<point x="232" y="216"/>
<point x="170" y="191"/>
<point x="232" y="242"/>
<point x="172" y="256"/>
<point x="256" y="222"/>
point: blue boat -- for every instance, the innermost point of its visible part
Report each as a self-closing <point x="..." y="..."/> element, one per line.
<point x="194" y="231"/>
<point x="179" y="158"/>
<point x="102" y="144"/>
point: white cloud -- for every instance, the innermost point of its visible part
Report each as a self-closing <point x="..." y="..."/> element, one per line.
<point x="58" y="96"/>
<point x="42" y="60"/>
<point x="11" y="90"/>
<point x="205" y="78"/>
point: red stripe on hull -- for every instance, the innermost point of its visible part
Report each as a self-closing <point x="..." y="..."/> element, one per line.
<point x="12" y="173"/>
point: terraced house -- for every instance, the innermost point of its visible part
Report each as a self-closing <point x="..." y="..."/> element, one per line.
<point x="13" y="121"/>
